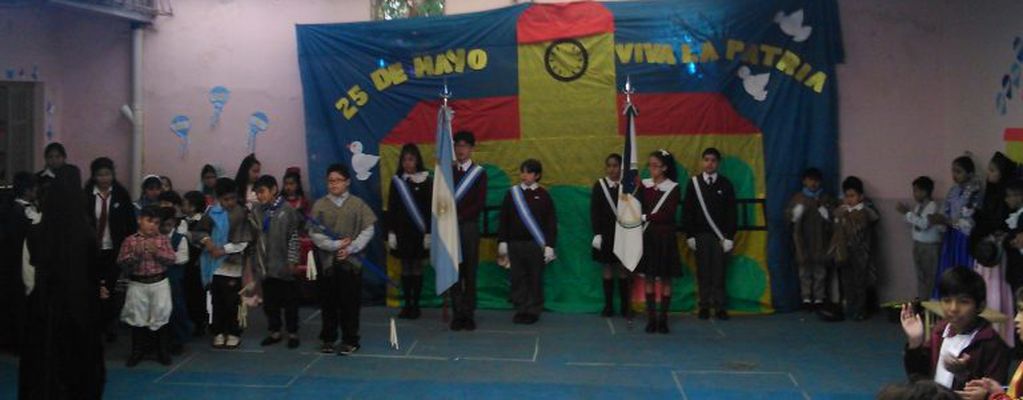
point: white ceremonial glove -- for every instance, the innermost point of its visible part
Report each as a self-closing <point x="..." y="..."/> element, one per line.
<point x="502" y="256"/>
<point x="597" y="241"/>
<point x="642" y="217"/>
<point x="310" y="272"/>
<point x="392" y="241"/>
<point x="797" y="212"/>
<point x="727" y="245"/>
<point x="548" y="255"/>
<point x="964" y="225"/>
<point x="426" y="241"/>
<point x="691" y="242"/>
<point x="824" y="212"/>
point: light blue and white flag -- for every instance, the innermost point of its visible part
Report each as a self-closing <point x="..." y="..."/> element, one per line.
<point x="445" y="244"/>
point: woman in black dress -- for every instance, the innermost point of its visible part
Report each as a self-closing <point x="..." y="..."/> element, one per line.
<point x="63" y="356"/>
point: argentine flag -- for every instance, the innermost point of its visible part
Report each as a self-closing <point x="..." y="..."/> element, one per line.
<point x="445" y="248"/>
<point x="629" y="229"/>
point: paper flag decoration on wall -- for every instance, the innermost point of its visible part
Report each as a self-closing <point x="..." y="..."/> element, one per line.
<point x="258" y="123"/>
<point x="218" y="97"/>
<point x="180" y="125"/>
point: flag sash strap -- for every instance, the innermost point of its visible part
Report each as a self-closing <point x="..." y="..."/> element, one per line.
<point x="467" y="181"/>
<point x="410" y="204"/>
<point x="664" y="197"/>
<point x="362" y="260"/>
<point x="527" y="216"/>
<point x="607" y="196"/>
<point x="703" y="206"/>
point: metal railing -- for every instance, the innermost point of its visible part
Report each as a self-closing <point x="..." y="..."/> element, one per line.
<point x="135" y="10"/>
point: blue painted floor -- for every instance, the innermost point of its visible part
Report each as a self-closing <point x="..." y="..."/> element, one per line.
<point x="786" y="356"/>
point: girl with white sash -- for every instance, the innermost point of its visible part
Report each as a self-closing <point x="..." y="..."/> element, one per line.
<point x="661" y="260"/>
<point x="408" y="224"/>
<point x="603" y="217"/>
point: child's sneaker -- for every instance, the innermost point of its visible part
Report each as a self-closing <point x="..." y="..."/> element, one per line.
<point x="347" y="349"/>
<point x="293" y="342"/>
<point x="233" y="342"/>
<point x="218" y="341"/>
<point x="327" y="348"/>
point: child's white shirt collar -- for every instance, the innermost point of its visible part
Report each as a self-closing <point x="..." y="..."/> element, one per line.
<point x="664" y="186"/>
<point x="708" y="177"/>
<point x="524" y="186"/>
<point x="465" y="166"/>
<point x="418" y="177"/>
<point x="338" y="200"/>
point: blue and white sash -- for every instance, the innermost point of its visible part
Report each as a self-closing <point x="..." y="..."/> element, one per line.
<point x="527" y="216"/>
<point x="410" y="203"/>
<point x="467" y="181"/>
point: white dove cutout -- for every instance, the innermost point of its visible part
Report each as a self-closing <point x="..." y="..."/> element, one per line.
<point x="755" y="85"/>
<point x="362" y="163"/>
<point x="792" y="25"/>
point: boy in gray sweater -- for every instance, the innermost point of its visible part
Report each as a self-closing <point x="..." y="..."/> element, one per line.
<point x="276" y="256"/>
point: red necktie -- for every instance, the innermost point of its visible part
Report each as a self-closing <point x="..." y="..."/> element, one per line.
<point x="101" y="225"/>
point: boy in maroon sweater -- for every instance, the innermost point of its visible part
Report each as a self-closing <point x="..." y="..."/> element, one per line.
<point x="471" y="197"/>
<point x="526" y="237"/>
<point x="961" y="348"/>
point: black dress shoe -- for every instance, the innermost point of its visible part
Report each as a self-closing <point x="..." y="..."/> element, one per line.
<point x="133" y="360"/>
<point x="271" y="340"/>
<point x="722" y="315"/>
<point x="457" y="324"/>
<point x="607" y="312"/>
<point x="704" y="313"/>
<point x="530" y="319"/>
<point x="469" y="324"/>
<point x="651" y="325"/>
<point x="662" y="325"/>
<point x="404" y="313"/>
<point x="519" y="318"/>
<point x="414" y="313"/>
<point x="293" y="342"/>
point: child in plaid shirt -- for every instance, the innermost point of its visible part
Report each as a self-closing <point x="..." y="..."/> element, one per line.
<point x="145" y="257"/>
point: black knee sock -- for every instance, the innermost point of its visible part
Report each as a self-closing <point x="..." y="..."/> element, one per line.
<point x="417" y="290"/>
<point x="665" y="304"/>
<point x="651" y="304"/>
<point x="624" y="294"/>
<point x="609" y="291"/>
<point x="406" y="291"/>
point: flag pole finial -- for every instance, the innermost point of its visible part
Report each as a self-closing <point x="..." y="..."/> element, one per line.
<point x="446" y="94"/>
<point x="629" y="89"/>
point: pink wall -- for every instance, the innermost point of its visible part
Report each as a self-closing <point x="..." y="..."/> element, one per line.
<point x="917" y="88"/>
<point x="83" y="62"/>
<point x="248" y="47"/>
